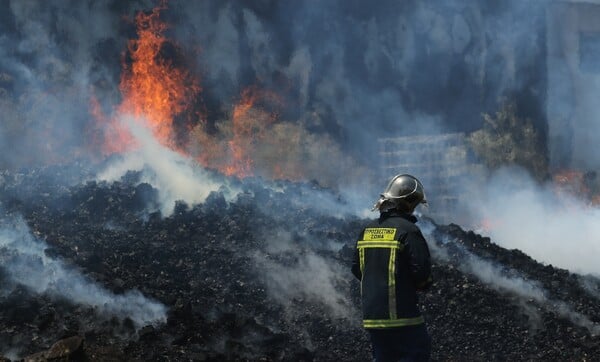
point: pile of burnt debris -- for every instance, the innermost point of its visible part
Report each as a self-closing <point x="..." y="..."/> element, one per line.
<point x="264" y="276"/>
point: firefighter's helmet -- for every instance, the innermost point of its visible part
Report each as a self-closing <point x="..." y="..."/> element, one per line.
<point x="404" y="192"/>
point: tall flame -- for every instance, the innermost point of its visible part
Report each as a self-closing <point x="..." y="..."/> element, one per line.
<point x="153" y="88"/>
<point x="156" y="91"/>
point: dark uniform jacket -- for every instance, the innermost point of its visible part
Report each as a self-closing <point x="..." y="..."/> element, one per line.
<point x="392" y="262"/>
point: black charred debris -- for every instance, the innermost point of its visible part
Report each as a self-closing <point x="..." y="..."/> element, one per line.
<point x="200" y="262"/>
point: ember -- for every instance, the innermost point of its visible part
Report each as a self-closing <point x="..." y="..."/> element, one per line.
<point x="578" y="184"/>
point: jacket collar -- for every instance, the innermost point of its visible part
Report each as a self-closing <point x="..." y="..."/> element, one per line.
<point x="396" y="213"/>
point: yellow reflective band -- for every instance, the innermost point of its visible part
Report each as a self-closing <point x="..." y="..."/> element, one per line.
<point x="381" y="234"/>
<point x="361" y="252"/>
<point x="392" y="323"/>
<point x="392" y="284"/>
<point x="380" y="244"/>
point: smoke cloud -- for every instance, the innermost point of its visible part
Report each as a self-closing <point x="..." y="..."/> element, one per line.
<point x="49" y="60"/>
<point x="175" y="176"/>
<point x="23" y="259"/>
<point x="505" y="280"/>
<point x="293" y="274"/>
<point x="349" y="73"/>
<point x="550" y="225"/>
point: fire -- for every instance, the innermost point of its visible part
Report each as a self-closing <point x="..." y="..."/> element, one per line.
<point x="579" y="184"/>
<point x="238" y="146"/>
<point x="153" y="89"/>
<point x="157" y="92"/>
<point x="116" y="139"/>
<point x="247" y="143"/>
<point x="247" y="131"/>
<point x="486" y="225"/>
<point x="571" y="182"/>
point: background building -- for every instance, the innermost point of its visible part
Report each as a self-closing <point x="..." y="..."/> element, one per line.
<point x="444" y="163"/>
<point x="573" y="78"/>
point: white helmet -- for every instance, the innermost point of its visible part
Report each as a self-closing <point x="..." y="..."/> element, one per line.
<point x="404" y="192"/>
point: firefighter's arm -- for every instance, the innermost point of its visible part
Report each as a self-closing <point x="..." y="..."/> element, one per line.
<point x="356" y="265"/>
<point x="419" y="260"/>
<point x="356" y="261"/>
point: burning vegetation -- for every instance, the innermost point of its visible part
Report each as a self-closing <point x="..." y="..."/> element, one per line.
<point x="154" y="90"/>
<point x="252" y="139"/>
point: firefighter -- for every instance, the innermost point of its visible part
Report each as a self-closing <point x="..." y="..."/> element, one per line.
<point x="392" y="262"/>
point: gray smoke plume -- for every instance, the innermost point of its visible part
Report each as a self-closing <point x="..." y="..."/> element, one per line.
<point x="549" y="225"/>
<point x="349" y="71"/>
<point x="295" y="273"/>
<point x="591" y="284"/>
<point x="175" y="176"/>
<point x="49" y="60"/>
<point x="25" y="262"/>
<point x="505" y="281"/>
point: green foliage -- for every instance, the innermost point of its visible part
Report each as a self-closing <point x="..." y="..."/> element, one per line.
<point x="507" y="139"/>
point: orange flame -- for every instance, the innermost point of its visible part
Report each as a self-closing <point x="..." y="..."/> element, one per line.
<point x="156" y="92"/>
<point x="116" y="139"/>
<point x="487" y="225"/>
<point x="579" y="184"/>
<point x="153" y="88"/>
<point x="572" y="182"/>
<point x="250" y="125"/>
<point x="240" y="143"/>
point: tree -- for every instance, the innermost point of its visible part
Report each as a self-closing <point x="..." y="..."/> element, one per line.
<point x="507" y="139"/>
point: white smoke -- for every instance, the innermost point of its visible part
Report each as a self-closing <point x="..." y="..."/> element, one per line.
<point x="293" y="273"/>
<point x="350" y="201"/>
<point x="591" y="284"/>
<point x="23" y="257"/>
<point x="175" y="176"/>
<point x="506" y="281"/>
<point x="551" y="226"/>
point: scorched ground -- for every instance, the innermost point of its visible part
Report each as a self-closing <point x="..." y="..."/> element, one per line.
<point x="263" y="276"/>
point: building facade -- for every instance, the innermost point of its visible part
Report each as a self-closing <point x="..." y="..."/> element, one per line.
<point x="444" y="163"/>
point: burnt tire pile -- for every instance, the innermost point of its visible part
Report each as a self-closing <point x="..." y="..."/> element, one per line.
<point x="206" y="264"/>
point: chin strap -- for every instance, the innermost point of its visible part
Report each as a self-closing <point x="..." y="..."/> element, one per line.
<point x="383" y="205"/>
<point x="378" y="203"/>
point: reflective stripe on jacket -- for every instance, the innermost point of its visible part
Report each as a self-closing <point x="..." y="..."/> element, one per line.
<point x="392" y="262"/>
